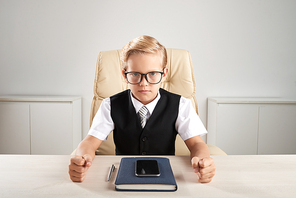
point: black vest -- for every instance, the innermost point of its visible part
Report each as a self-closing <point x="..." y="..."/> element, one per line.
<point x="159" y="134"/>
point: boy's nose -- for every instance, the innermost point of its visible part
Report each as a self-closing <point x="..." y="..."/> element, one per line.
<point x="143" y="82"/>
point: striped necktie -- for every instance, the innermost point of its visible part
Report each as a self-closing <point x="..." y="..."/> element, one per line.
<point x="142" y="113"/>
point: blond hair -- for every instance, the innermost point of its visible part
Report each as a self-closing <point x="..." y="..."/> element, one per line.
<point x="143" y="45"/>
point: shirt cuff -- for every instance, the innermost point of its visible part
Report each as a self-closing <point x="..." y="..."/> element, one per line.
<point x="98" y="135"/>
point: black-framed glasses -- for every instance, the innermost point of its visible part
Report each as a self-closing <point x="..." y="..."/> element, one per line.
<point x="153" y="77"/>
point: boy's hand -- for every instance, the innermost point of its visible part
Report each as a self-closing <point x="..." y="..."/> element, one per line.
<point x="204" y="168"/>
<point x="79" y="166"/>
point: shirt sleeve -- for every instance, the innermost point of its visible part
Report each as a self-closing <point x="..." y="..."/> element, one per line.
<point x="188" y="123"/>
<point x="102" y="124"/>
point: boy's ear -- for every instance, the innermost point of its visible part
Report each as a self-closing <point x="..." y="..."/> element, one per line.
<point x="165" y="71"/>
<point x="122" y="72"/>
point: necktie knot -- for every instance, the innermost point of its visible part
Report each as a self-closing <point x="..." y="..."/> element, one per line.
<point x="142" y="113"/>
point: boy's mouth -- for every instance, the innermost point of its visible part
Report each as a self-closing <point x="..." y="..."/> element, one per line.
<point x="144" y="91"/>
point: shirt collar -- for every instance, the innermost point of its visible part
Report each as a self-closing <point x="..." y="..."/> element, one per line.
<point x="138" y="105"/>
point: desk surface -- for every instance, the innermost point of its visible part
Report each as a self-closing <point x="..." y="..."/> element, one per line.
<point x="236" y="176"/>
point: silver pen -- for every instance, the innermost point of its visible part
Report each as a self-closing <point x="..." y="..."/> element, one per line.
<point x="110" y="172"/>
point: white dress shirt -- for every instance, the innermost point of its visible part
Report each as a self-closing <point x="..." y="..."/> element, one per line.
<point x="188" y="123"/>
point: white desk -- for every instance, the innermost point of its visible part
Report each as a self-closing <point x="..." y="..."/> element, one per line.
<point x="236" y="176"/>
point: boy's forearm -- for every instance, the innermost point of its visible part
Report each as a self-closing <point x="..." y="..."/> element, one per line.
<point x="84" y="148"/>
<point x="88" y="146"/>
<point x="197" y="147"/>
<point x="200" y="150"/>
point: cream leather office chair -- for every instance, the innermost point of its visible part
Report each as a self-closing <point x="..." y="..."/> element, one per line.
<point x="109" y="81"/>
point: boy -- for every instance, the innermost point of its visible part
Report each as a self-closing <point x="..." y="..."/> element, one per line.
<point x="145" y="119"/>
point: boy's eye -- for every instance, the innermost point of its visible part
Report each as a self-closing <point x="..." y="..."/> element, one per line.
<point x="133" y="74"/>
<point x="152" y="73"/>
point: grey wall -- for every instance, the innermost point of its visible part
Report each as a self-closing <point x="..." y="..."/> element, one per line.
<point x="241" y="48"/>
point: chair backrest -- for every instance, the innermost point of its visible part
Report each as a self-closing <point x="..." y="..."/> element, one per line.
<point x="109" y="81"/>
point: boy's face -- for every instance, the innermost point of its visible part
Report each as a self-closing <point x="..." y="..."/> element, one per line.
<point x="144" y="63"/>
